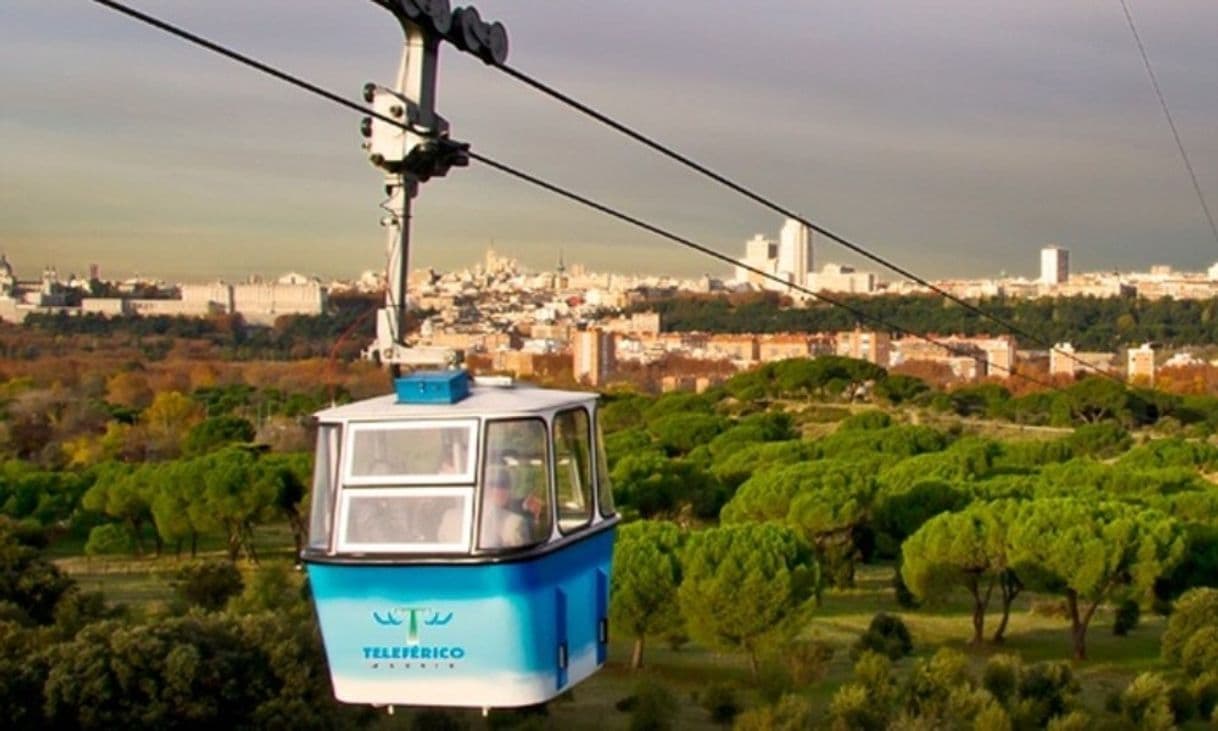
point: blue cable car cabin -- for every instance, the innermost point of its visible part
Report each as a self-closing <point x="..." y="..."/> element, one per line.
<point x="459" y="553"/>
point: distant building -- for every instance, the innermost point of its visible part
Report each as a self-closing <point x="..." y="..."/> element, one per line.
<point x="795" y="252"/>
<point x="1064" y="360"/>
<point x="594" y="356"/>
<point x="762" y="254"/>
<point x="1212" y="273"/>
<point x="966" y="360"/>
<point x="741" y="350"/>
<point x="874" y="347"/>
<point x="1054" y="265"/>
<point x="840" y="278"/>
<point x="799" y="345"/>
<point x="262" y="302"/>
<point x="1140" y="365"/>
<point x="789" y="259"/>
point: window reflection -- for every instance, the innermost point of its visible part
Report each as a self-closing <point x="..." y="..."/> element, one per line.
<point x="573" y="465"/>
<point x="515" y="487"/>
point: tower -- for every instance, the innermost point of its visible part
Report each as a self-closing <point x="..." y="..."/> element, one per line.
<point x="1054" y="265"/>
<point x="795" y="252"/>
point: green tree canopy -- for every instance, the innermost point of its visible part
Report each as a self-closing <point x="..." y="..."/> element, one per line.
<point x="646" y="574"/>
<point x="745" y="583"/>
<point x="1087" y="550"/>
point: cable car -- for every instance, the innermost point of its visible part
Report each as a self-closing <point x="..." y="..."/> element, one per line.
<point x="460" y="543"/>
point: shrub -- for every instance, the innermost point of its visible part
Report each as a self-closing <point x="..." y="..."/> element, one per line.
<point x="790" y="713"/>
<point x="852" y="707"/>
<point x="1146" y="703"/>
<point x="720" y="701"/>
<point x="1194" y="610"/>
<point x="1126" y="617"/>
<point x="886" y="635"/>
<point x="905" y="598"/>
<point x="1046" y="689"/>
<point x="1200" y="653"/>
<point x="1205" y="693"/>
<point x="1001" y="677"/>
<point x="108" y="540"/>
<point x="1073" y="721"/>
<point x="866" y="421"/>
<point x="654" y="709"/>
<point x="208" y="584"/>
<point x="808" y="661"/>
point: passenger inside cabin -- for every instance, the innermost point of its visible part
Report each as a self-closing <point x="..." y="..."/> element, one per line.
<point x="506" y="522"/>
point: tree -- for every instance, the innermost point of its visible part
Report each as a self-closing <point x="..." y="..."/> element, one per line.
<point x="216" y="432"/>
<point x="1195" y="610"/>
<point x="646" y="574"/>
<point x="655" y="485"/>
<point x="827" y="501"/>
<point x="29" y="581"/>
<point x="957" y="549"/>
<point x="121" y="492"/>
<point x="167" y="421"/>
<point x="743" y="584"/>
<point x="679" y="433"/>
<point x="1087" y="550"/>
<point x="208" y="584"/>
<point x="286" y="477"/>
<point x="187" y="672"/>
<point x="234" y="499"/>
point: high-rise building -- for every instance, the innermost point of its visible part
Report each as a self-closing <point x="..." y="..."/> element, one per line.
<point x="795" y="252"/>
<point x="761" y="254"/>
<point x="594" y="356"/>
<point x="1054" y="265"/>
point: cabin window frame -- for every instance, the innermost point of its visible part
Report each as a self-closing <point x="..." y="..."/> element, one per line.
<point x="480" y="496"/>
<point x="590" y="498"/>
<point x="324" y="514"/>
<point x="465" y="493"/>
<point x="465" y="477"/>
<point x="604" y="484"/>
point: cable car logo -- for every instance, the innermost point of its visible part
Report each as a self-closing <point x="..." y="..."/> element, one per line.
<point x="411" y="617"/>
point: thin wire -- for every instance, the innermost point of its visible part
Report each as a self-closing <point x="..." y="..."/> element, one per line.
<point x="672" y="154"/>
<point x="706" y="250"/>
<point x="1171" y="122"/>
<point x="254" y="64"/>
<point x="570" y="195"/>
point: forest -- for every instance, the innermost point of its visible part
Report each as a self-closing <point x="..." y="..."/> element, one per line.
<point x="814" y="544"/>
<point x="1089" y="323"/>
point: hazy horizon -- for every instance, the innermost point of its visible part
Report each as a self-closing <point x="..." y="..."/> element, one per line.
<point x="956" y="138"/>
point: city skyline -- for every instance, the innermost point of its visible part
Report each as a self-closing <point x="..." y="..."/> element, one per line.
<point x="979" y="136"/>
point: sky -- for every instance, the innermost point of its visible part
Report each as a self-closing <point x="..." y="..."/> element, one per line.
<point x="955" y="137"/>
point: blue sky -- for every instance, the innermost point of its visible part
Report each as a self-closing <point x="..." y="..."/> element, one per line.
<point x="954" y="136"/>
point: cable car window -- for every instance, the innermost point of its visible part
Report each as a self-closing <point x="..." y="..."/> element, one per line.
<point x="573" y="468"/>
<point x="603" y="485"/>
<point x="515" y="485"/>
<point x="406" y="520"/>
<point x="410" y="453"/>
<point x="322" y="497"/>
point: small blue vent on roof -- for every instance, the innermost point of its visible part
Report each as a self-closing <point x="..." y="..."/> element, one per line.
<point x="432" y="387"/>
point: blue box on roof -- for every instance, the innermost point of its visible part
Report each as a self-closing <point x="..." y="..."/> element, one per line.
<point x="432" y="387"/>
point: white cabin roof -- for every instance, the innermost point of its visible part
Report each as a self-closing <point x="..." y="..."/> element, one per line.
<point x="482" y="401"/>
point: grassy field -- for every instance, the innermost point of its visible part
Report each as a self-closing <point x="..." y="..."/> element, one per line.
<point x="1114" y="661"/>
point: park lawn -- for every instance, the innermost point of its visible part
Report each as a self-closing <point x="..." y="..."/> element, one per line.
<point x="144" y="583"/>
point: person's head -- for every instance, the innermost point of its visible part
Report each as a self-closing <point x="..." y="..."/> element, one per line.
<point x="498" y="487"/>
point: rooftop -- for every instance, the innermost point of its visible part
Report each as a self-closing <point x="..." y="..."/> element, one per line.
<point x="482" y="401"/>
